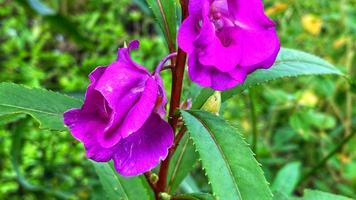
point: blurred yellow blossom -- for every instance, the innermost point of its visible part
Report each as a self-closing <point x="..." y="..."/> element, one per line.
<point x="312" y="24"/>
<point x="340" y="42"/>
<point x="308" y="98"/>
<point x="344" y="158"/>
<point x="246" y="125"/>
<point x="277" y="7"/>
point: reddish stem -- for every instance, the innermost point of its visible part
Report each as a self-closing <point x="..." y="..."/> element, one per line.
<point x="177" y="83"/>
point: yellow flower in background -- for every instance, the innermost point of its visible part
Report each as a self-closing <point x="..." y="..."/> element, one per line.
<point x="340" y="42"/>
<point x="344" y="158"/>
<point x="277" y="7"/>
<point x="312" y="24"/>
<point x="308" y="98"/>
<point x="245" y="124"/>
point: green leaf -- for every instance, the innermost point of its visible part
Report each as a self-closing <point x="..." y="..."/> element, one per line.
<point x="189" y="185"/>
<point x="202" y="97"/>
<point x="118" y="187"/>
<point x="165" y="13"/>
<point x="287" y="178"/>
<point x="143" y="6"/>
<point x="6" y="119"/>
<point x="278" y="195"/>
<point x="229" y="163"/>
<point x="289" y="63"/>
<point x="196" y="196"/>
<point x="45" y="106"/>
<point x="183" y="162"/>
<point x="310" y="195"/>
<point x="319" y="195"/>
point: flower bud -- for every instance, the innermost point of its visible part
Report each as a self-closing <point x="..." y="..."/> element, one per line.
<point x="213" y="103"/>
<point x="154" y="178"/>
<point x="165" y="196"/>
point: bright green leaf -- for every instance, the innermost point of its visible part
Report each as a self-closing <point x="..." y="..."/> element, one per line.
<point x="118" y="187"/>
<point x="287" y="178"/>
<point x="231" y="168"/>
<point x="45" y="106"/>
<point x="319" y="195"/>
<point x="278" y="195"/>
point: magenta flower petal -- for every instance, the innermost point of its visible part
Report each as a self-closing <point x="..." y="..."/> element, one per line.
<point x="228" y="39"/>
<point x="257" y="51"/>
<point x="143" y="150"/>
<point x="160" y="107"/>
<point x="249" y="14"/>
<point x="122" y="86"/>
<point x="188" y="32"/>
<point x="209" y="76"/>
<point x="138" y="115"/>
<point x="121" y="118"/>
<point x="86" y="127"/>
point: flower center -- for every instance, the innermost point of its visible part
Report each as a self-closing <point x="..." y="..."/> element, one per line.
<point x="219" y="15"/>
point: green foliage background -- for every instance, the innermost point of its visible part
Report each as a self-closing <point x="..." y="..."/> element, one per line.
<point x="299" y="120"/>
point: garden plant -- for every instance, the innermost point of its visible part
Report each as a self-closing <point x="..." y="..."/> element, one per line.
<point x="176" y="100"/>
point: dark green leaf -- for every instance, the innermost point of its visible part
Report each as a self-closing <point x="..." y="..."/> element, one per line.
<point x="229" y="163"/>
<point x="118" y="187"/>
<point x="45" y="106"/>
<point x="143" y="6"/>
<point x="5" y="119"/>
<point x="287" y="178"/>
<point x="189" y="185"/>
<point x="165" y="13"/>
<point x="183" y="162"/>
<point x="196" y="196"/>
<point x="289" y="63"/>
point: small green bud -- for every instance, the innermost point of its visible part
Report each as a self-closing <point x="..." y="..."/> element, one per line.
<point x="165" y="196"/>
<point x="154" y="178"/>
<point x="213" y="103"/>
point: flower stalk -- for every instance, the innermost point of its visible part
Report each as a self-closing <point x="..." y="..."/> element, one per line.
<point x="177" y="83"/>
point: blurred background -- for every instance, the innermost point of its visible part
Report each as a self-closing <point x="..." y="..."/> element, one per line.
<point x="55" y="44"/>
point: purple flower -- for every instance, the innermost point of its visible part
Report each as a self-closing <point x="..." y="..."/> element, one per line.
<point x="226" y="40"/>
<point x="121" y="118"/>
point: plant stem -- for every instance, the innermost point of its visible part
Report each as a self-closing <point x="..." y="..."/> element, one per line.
<point x="321" y="163"/>
<point x="148" y="178"/>
<point x="253" y="120"/>
<point x="177" y="83"/>
<point x="348" y="64"/>
<point x="162" y="181"/>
